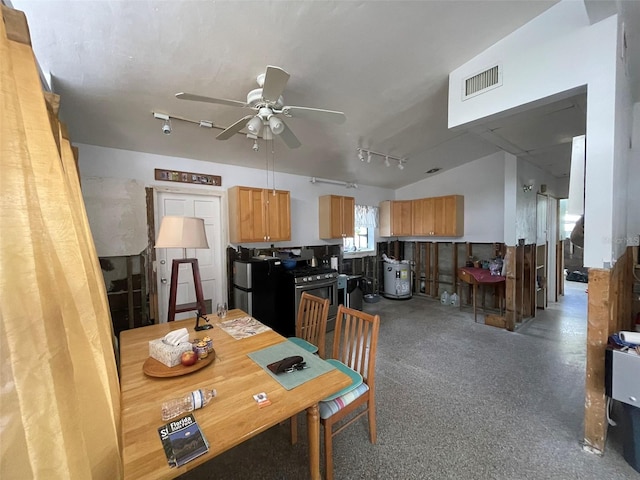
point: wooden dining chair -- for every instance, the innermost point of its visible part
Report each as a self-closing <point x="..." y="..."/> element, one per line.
<point x="311" y="326"/>
<point x="311" y="323"/>
<point x="355" y="342"/>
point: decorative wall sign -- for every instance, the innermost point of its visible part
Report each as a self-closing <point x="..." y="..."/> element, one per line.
<point x="188" y="177"/>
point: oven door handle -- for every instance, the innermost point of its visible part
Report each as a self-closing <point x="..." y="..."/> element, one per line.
<point x="306" y="286"/>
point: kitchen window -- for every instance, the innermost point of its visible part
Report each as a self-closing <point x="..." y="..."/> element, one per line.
<point x="366" y="221"/>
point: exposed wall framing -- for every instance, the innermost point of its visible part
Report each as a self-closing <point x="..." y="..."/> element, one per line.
<point x="609" y="311"/>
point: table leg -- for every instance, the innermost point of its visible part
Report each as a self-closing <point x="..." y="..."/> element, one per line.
<point x="313" y="430"/>
<point x="475" y="316"/>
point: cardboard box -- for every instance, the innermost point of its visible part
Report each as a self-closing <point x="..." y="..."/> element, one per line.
<point x="168" y="354"/>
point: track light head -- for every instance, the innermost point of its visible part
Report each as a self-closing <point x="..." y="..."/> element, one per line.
<point x="360" y="155"/>
<point x="400" y="165"/>
<point x="368" y="157"/>
<point x="386" y="161"/>
<point x="166" y="127"/>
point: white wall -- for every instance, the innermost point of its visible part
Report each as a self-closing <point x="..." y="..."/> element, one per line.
<point x="482" y="184"/>
<point x="121" y="167"/>
<point x="545" y="59"/>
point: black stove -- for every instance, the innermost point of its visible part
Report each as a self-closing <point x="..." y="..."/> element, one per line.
<point x="321" y="281"/>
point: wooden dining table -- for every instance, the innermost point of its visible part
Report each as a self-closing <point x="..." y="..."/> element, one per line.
<point x="232" y="417"/>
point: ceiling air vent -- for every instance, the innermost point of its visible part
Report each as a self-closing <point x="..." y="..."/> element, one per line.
<point x="482" y="82"/>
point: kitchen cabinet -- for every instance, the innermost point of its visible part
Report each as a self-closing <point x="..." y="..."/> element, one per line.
<point x="438" y="216"/>
<point x="336" y="216"/>
<point x="259" y="215"/>
<point x="395" y="218"/>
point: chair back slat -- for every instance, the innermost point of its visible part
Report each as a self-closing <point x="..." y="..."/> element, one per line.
<point x="355" y="341"/>
<point x="311" y="322"/>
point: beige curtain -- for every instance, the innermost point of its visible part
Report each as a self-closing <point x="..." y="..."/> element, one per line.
<point x="59" y="390"/>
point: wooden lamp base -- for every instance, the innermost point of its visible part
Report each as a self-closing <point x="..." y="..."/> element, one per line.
<point x="185" y="307"/>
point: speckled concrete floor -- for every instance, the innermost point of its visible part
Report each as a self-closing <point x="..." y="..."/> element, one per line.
<point x="457" y="400"/>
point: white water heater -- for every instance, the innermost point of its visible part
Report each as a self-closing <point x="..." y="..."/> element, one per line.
<point x="397" y="280"/>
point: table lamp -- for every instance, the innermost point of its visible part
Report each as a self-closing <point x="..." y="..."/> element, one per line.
<point x="183" y="232"/>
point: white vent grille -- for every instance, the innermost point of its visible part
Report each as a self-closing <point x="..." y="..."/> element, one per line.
<point x="482" y="82"/>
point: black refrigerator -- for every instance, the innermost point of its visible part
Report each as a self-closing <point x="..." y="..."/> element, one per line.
<point x="255" y="284"/>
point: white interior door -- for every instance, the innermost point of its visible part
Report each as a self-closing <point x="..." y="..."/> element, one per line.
<point x="211" y="262"/>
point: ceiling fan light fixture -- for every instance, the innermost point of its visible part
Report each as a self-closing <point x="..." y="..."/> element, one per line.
<point x="254" y="125"/>
<point x="276" y="125"/>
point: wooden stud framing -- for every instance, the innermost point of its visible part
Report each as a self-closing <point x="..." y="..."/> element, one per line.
<point x="510" y="289"/>
<point x="609" y="306"/>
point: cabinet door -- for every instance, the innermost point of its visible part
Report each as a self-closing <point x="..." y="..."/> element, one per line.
<point x="423" y="212"/>
<point x="246" y="215"/>
<point x="401" y="218"/>
<point x="449" y="216"/>
<point x="348" y="212"/>
<point x="278" y="215"/>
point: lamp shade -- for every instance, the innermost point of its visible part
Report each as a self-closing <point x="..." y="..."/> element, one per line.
<point x="182" y="232"/>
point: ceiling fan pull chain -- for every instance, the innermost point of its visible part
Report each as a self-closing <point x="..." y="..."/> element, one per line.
<point x="273" y="166"/>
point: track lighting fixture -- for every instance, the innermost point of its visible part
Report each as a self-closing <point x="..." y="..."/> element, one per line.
<point x="387" y="163"/>
<point x="166" y="127"/>
<point x="333" y="182"/>
<point x="167" y="119"/>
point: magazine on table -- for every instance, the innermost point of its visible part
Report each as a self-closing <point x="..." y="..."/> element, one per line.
<point x="182" y="440"/>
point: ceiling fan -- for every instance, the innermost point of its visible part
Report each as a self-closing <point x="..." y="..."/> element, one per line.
<point x="268" y="102"/>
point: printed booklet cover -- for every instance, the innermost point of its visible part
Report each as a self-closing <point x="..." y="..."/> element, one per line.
<point x="182" y="440"/>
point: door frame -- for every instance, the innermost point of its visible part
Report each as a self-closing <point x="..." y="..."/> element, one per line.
<point x="152" y="202"/>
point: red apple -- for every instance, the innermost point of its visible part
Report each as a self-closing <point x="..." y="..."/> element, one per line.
<point x="188" y="358"/>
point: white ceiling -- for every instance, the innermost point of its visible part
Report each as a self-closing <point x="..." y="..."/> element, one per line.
<point x="384" y="63"/>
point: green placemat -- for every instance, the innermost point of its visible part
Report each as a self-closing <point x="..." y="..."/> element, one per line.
<point x="268" y="355"/>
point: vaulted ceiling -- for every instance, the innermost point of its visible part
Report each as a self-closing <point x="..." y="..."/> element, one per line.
<point x="385" y="64"/>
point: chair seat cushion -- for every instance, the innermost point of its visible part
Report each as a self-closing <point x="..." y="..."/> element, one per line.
<point x="309" y="347"/>
<point x="327" y="409"/>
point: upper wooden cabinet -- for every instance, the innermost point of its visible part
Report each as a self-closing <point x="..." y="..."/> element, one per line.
<point x="259" y="215"/>
<point x="439" y="216"/>
<point x="336" y="215"/>
<point x="395" y="218"/>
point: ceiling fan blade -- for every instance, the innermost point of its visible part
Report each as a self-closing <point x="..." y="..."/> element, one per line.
<point x="314" y="114"/>
<point x="275" y="79"/>
<point x="289" y="138"/>
<point x="235" y="128"/>
<point x="200" y="98"/>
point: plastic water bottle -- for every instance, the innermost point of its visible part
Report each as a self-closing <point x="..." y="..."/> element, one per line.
<point x="187" y="403"/>
<point x="444" y="298"/>
<point x="455" y="300"/>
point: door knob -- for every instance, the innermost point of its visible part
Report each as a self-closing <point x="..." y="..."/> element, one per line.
<point x="162" y="262"/>
<point x="163" y="280"/>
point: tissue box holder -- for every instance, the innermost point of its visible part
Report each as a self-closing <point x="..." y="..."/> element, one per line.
<point x="168" y="354"/>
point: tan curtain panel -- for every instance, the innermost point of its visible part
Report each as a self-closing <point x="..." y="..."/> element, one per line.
<point x="59" y="389"/>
